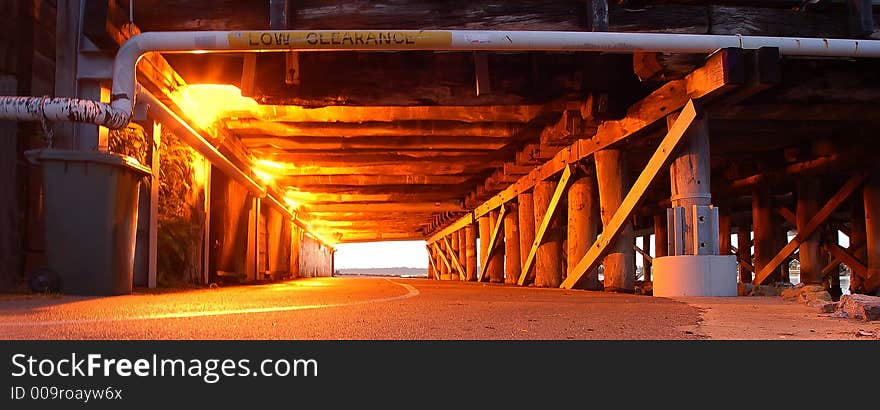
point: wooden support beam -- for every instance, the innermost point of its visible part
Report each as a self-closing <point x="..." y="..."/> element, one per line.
<point x="786" y="214"/>
<point x="344" y="143"/>
<point x="689" y="175"/>
<point x="462" y="252"/>
<point x="620" y="218"/>
<point x="246" y="126"/>
<point x="485" y="226"/>
<point x="458" y="224"/>
<point x="858" y="268"/>
<point x="597" y="15"/>
<point x="815" y="221"/>
<point x="871" y="198"/>
<point x="660" y="236"/>
<point x="512" y="263"/>
<point x="445" y="268"/>
<point x="495" y="266"/>
<point x="432" y="266"/>
<point x="619" y="260"/>
<point x="762" y="223"/>
<point x="495" y="223"/>
<point x="744" y="253"/>
<point x="383" y="207"/>
<point x="526" y="211"/>
<point x="810" y="257"/>
<point x="583" y="225"/>
<point x="724" y="232"/>
<point x="360" y="114"/>
<point x="722" y="72"/>
<point x="546" y="216"/>
<point x="471" y="256"/>
<point x="548" y="240"/>
<point x="452" y="249"/>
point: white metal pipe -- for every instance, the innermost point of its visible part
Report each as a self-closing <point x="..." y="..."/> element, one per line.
<point x="183" y="130"/>
<point x="118" y="113"/>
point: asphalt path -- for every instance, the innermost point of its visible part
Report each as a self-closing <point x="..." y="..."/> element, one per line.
<point x="350" y="308"/>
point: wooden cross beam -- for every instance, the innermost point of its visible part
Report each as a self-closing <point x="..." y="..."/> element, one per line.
<point x="858" y="268"/>
<point x="453" y="254"/>
<point x="786" y="214"/>
<point x="818" y="219"/>
<point x="561" y="187"/>
<point x="853" y="249"/>
<point x="492" y="244"/>
<point x="644" y="254"/>
<point x="655" y="165"/>
<point x="438" y="251"/>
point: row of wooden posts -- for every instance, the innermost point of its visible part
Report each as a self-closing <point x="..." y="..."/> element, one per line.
<point x="596" y="190"/>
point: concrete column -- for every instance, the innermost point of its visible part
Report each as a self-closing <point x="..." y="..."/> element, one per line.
<point x="809" y="253"/>
<point x="548" y="260"/>
<point x="526" y="211"/>
<point x="583" y="226"/>
<point x="512" y="264"/>
<point x="612" y="178"/>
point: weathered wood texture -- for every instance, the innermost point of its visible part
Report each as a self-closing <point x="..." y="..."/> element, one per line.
<point x="512" y="264"/>
<point x="689" y="174"/>
<point x="485" y="226"/>
<point x="548" y="258"/>
<point x="583" y="225"/>
<point x="495" y="265"/>
<point x="810" y="257"/>
<point x="744" y="253"/>
<point x="229" y="225"/>
<point x="471" y="249"/>
<point x="619" y="262"/>
<point x="462" y="253"/>
<point x="660" y="236"/>
<point x="526" y="211"/>
<point x="762" y="224"/>
<point x="871" y="195"/>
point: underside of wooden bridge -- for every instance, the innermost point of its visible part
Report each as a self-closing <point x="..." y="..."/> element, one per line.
<point x="556" y="161"/>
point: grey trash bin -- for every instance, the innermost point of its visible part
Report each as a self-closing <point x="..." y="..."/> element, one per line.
<point x="90" y="204"/>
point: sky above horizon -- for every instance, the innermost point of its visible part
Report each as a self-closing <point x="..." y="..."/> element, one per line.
<point x="406" y="254"/>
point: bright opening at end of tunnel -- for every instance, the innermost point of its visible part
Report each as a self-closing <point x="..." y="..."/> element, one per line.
<point x="396" y="258"/>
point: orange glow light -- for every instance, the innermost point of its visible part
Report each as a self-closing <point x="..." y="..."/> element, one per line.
<point x="206" y="103"/>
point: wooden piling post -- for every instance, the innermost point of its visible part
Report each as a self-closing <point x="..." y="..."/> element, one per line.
<point x="470" y="233"/>
<point x="462" y="252"/>
<point x="485" y="226"/>
<point x="724" y="232"/>
<point x="689" y="175"/>
<point x="548" y="259"/>
<point x="857" y="234"/>
<point x="809" y="253"/>
<point x="660" y="236"/>
<point x="762" y="224"/>
<point x="431" y="263"/>
<point x="526" y="211"/>
<point x="613" y="184"/>
<point x="452" y="253"/>
<point x="647" y="262"/>
<point x="444" y="268"/>
<point x="583" y="225"/>
<point x="495" y="270"/>
<point x="744" y="252"/>
<point x="871" y="194"/>
<point x="512" y="263"/>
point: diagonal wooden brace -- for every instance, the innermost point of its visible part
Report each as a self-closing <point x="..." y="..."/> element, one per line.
<point x="657" y="163"/>
<point x="561" y="187"/>
<point x="454" y="256"/>
<point x="818" y="219"/>
<point x="492" y="244"/>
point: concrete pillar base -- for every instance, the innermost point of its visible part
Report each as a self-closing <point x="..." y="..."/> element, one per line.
<point x="695" y="275"/>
